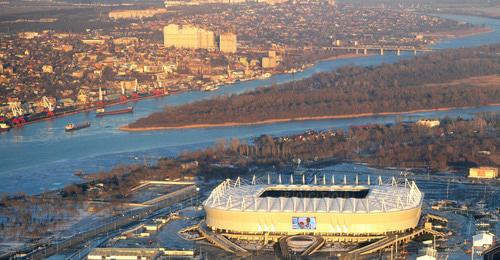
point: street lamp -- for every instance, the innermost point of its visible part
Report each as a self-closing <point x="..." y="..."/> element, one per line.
<point x="197" y="195"/>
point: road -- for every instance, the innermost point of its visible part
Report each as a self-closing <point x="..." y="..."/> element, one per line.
<point x="130" y="217"/>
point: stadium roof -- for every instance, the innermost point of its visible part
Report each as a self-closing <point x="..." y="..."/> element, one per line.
<point x="319" y="196"/>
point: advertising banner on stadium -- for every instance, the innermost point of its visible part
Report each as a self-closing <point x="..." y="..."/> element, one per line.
<point x="303" y="223"/>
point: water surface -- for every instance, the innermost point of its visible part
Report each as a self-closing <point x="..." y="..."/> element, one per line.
<point x="43" y="157"/>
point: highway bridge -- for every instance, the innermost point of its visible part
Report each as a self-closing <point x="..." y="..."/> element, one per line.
<point x="378" y="49"/>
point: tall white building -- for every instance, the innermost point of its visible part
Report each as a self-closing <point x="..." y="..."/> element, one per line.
<point x="227" y="42"/>
<point x="188" y="36"/>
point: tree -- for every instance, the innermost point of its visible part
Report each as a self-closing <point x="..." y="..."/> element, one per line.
<point x="108" y="74"/>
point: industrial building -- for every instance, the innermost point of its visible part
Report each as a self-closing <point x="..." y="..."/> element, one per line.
<point x="336" y="211"/>
<point x="135" y="14"/>
<point x="125" y="40"/>
<point x="483" y="173"/>
<point x="483" y="240"/>
<point x="125" y="253"/>
<point x="429" y="122"/>
<point x="271" y="61"/>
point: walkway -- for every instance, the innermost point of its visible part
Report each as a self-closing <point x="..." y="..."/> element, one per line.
<point x="392" y="241"/>
<point x="221" y="241"/>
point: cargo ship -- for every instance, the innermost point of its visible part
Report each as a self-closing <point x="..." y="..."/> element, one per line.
<point x="210" y="88"/>
<point x="265" y="75"/>
<point x="103" y="112"/>
<point x="72" y="127"/>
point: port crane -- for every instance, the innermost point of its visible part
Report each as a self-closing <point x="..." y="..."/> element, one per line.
<point x="123" y="97"/>
<point x="15" y="107"/>
<point x="100" y="95"/>
<point x="48" y="105"/>
<point x="17" y="112"/>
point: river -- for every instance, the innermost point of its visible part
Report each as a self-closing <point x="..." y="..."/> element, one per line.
<point x="41" y="156"/>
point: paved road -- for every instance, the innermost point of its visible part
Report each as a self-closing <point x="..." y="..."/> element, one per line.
<point x="114" y="223"/>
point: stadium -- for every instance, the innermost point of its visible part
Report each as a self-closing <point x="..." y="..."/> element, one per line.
<point x="265" y="209"/>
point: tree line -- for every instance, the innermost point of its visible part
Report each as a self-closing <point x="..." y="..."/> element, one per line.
<point x="423" y="82"/>
<point x="456" y="144"/>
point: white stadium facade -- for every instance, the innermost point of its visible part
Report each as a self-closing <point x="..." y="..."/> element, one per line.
<point x="269" y="209"/>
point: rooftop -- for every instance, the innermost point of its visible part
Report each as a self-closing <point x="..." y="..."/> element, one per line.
<point x="319" y="196"/>
<point x="147" y="252"/>
<point x="316" y="192"/>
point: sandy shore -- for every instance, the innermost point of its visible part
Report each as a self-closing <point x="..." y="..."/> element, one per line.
<point x="460" y="34"/>
<point x="345" y="56"/>
<point x="283" y="120"/>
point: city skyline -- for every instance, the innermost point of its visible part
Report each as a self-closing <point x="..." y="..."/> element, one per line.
<point x="219" y="129"/>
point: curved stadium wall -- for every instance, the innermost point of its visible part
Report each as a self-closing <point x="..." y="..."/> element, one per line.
<point x="328" y="209"/>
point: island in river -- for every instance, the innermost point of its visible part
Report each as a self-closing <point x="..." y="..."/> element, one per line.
<point x="440" y="80"/>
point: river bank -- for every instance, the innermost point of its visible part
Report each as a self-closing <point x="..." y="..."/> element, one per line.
<point x="41" y="117"/>
<point x="283" y="120"/>
<point x="38" y="118"/>
<point x="439" y="36"/>
<point x="50" y="157"/>
<point x="345" y="56"/>
<point x="460" y="34"/>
